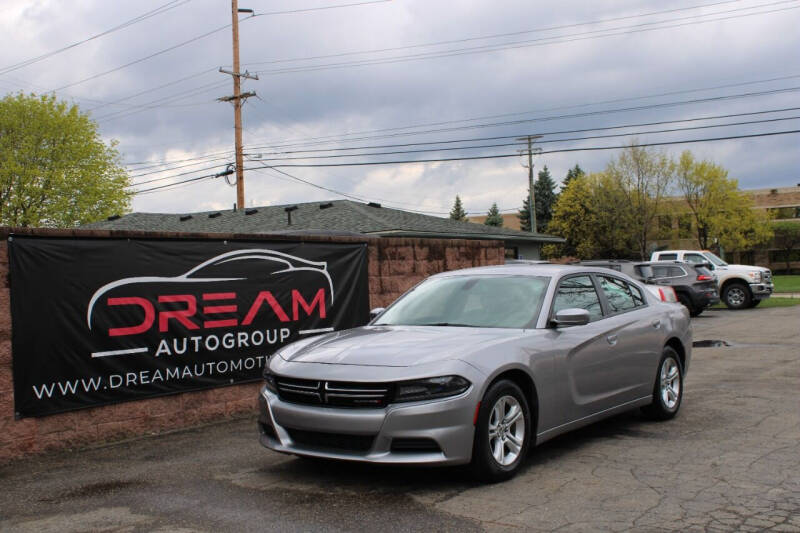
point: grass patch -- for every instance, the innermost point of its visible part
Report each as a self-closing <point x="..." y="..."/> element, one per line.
<point x="786" y="283"/>
<point x="769" y="302"/>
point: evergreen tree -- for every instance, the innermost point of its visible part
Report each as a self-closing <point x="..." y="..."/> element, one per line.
<point x="493" y="217"/>
<point x="572" y="173"/>
<point x="544" y="198"/>
<point x="524" y="214"/>
<point x="458" y="213"/>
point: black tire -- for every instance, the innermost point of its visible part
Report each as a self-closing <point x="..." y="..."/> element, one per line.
<point x="737" y="296"/>
<point x="661" y="408"/>
<point x="684" y="301"/>
<point x="696" y="311"/>
<point x="755" y="303"/>
<point x="484" y="465"/>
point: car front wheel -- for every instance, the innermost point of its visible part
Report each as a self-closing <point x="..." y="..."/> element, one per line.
<point x="737" y="296"/>
<point x="503" y="433"/>
<point x="668" y="388"/>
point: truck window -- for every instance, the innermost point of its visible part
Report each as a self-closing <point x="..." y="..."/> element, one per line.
<point x="667" y="257"/>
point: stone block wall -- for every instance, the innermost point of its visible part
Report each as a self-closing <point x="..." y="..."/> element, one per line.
<point x="395" y="265"/>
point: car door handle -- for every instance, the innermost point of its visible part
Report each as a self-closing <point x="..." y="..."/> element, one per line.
<point x="656" y="324"/>
<point x="612" y="339"/>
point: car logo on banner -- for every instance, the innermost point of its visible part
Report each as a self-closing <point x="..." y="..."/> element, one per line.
<point x="233" y="291"/>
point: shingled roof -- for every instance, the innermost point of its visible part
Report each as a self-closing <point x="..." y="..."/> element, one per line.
<point x="339" y="215"/>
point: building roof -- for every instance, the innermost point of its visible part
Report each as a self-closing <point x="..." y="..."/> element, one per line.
<point x="334" y="216"/>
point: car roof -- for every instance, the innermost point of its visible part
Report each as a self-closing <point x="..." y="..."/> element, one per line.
<point x="545" y="269"/>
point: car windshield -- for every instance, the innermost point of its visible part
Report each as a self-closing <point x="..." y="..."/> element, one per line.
<point x="470" y="301"/>
<point x="714" y="259"/>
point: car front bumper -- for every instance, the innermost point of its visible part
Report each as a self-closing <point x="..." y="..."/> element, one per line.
<point x="438" y="432"/>
<point x="762" y="290"/>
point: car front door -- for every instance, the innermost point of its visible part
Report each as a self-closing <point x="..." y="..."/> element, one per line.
<point x="584" y="362"/>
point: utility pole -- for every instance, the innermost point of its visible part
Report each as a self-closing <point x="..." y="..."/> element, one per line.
<point x="238" y="99"/>
<point x="531" y="194"/>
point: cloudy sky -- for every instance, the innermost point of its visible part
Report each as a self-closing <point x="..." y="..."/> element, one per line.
<point x="412" y="76"/>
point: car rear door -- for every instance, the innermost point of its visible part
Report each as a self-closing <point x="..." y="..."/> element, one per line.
<point x="636" y="329"/>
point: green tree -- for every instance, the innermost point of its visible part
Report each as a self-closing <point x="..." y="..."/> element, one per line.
<point x="787" y="239"/>
<point x="458" y="213"/>
<point x="493" y="217"/>
<point x="719" y="209"/>
<point x="524" y="213"/>
<point x="591" y="215"/>
<point x="644" y="177"/>
<point x="544" y="198"/>
<point x="55" y="170"/>
<point x="572" y="173"/>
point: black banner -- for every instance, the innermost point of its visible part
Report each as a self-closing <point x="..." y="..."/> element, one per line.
<point x="97" y="321"/>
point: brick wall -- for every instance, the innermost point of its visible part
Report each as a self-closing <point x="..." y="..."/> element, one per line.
<point x="394" y="266"/>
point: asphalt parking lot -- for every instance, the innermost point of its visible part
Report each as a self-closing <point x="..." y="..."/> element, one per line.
<point x="730" y="461"/>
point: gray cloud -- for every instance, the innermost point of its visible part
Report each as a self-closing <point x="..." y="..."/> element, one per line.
<point x="301" y="105"/>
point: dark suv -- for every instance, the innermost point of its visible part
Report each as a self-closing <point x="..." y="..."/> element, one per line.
<point x="694" y="284"/>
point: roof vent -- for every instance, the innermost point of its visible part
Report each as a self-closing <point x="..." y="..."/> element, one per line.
<point x="374" y="204"/>
<point x="184" y="218"/>
<point x="326" y="205"/>
<point x="215" y="215"/>
<point x="250" y="211"/>
<point x="289" y="213"/>
<point x="114" y="217"/>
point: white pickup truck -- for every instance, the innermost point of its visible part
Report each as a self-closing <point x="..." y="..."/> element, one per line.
<point x="740" y="286"/>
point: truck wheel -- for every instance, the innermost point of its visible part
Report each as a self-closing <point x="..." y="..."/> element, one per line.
<point x="737" y="296"/>
<point x="755" y="303"/>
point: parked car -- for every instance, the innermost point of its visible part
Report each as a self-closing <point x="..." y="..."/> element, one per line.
<point x="695" y="286"/>
<point x="740" y="286"/>
<point x="477" y="366"/>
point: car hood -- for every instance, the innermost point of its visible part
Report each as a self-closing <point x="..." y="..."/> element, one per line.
<point x="396" y="345"/>
<point x="743" y="268"/>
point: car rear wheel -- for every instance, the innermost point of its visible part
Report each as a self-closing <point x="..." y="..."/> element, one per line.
<point x="668" y="387"/>
<point x="503" y="433"/>
<point x="737" y="296"/>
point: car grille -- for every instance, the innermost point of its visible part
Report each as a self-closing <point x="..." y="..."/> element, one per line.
<point x="333" y="393"/>
<point x="333" y="441"/>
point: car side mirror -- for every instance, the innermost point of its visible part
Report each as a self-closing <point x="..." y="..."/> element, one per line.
<point x="571" y="317"/>
<point x="375" y="312"/>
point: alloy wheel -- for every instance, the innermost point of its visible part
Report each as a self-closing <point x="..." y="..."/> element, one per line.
<point x="506" y="430"/>
<point x="670" y="383"/>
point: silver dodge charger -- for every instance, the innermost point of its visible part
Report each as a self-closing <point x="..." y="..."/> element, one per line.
<point x="477" y="366"/>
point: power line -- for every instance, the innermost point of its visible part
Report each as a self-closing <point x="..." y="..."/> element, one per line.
<point x="544" y="133"/>
<point x="544" y="41"/>
<point x="579" y="115"/>
<point x="484" y="37"/>
<point x="333" y="138"/>
<point x="546" y="141"/>
<point x="152" y="13"/>
<point x="499" y="156"/>
<point x="175" y="175"/>
<point x="145" y="58"/>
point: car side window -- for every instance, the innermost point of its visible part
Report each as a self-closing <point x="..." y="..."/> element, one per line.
<point x="676" y="272"/>
<point x="578" y="292"/>
<point x="618" y="294"/>
<point x="638" y="297"/>
<point x="660" y="272"/>
<point x="695" y="258"/>
<point x="667" y="257"/>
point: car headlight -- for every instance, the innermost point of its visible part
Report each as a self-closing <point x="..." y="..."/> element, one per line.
<point x="430" y="388"/>
<point x="755" y="276"/>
